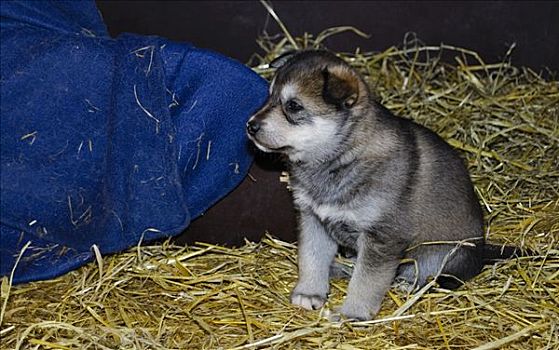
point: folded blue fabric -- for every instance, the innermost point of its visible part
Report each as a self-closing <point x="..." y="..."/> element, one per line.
<point x="109" y="142"/>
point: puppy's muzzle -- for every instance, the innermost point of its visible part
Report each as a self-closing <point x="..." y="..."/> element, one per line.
<point x="253" y="126"/>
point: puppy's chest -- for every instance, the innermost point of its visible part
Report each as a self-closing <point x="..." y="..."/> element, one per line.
<point x="354" y="215"/>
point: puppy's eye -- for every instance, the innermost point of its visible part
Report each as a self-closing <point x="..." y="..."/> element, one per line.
<point x="292" y="106"/>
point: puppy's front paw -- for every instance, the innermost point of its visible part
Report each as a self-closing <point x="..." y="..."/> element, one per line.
<point x="335" y="316"/>
<point x="309" y="302"/>
<point x="354" y="312"/>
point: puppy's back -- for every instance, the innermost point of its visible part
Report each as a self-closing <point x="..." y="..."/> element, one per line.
<point x="443" y="205"/>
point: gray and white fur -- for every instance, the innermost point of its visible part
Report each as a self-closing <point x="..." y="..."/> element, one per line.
<point x="362" y="178"/>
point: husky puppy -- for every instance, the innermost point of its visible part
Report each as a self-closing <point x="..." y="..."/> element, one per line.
<point x="362" y="178"/>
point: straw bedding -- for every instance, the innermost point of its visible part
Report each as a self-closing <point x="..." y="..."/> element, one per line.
<point x="505" y="121"/>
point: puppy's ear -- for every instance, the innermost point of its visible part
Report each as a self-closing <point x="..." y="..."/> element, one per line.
<point x="282" y="59"/>
<point x="341" y="86"/>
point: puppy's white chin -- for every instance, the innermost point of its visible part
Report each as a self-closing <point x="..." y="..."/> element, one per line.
<point x="262" y="148"/>
<point x="259" y="145"/>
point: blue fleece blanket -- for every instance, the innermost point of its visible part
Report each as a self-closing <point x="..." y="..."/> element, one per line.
<point x="109" y="142"/>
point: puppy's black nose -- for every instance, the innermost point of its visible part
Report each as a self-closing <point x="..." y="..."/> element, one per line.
<point x="253" y="126"/>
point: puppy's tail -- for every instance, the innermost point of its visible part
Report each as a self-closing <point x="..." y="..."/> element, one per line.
<point x="493" y="253"/>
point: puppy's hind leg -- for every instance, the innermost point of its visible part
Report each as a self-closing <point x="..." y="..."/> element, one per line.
<point x="316" y="252"/>
<point x="454" y="264"/>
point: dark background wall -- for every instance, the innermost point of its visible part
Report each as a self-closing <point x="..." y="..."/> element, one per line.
<point x="231" y="27"/>
<point x="262" y="204"/>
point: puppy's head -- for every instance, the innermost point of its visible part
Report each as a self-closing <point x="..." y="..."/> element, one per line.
<point x="313" y="100"/>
